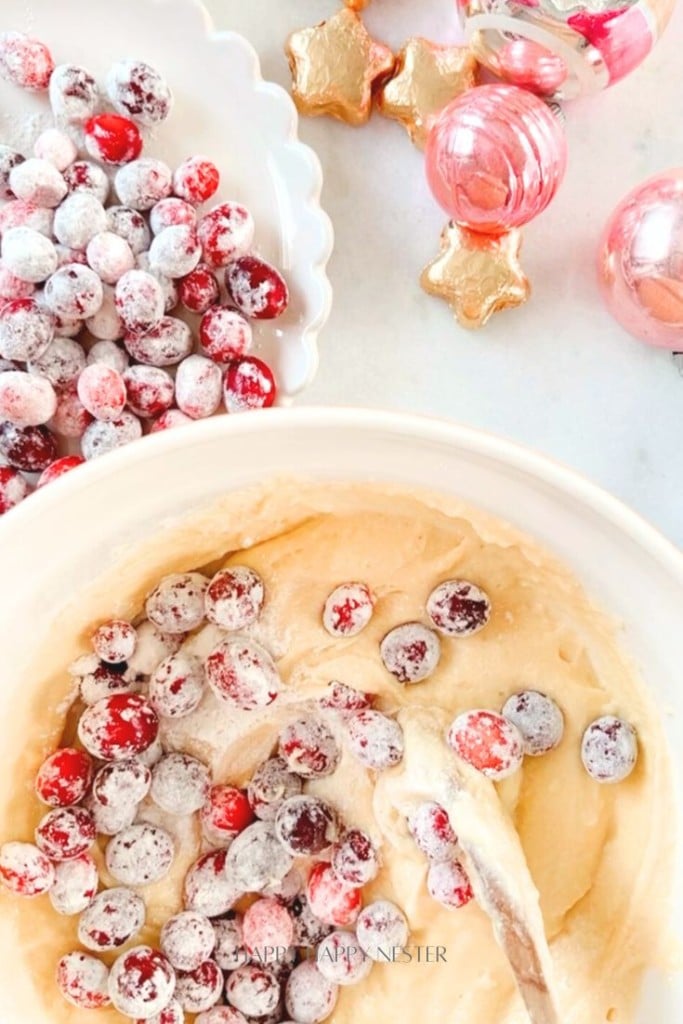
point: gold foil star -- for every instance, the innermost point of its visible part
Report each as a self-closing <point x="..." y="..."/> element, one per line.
<point x="427" y="77"/>
<point x="356" y="5"/>
<point x="476" y="274"/>
<point x="335" y="66"/>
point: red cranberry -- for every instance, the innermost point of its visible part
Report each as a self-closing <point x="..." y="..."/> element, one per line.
<point x="306" y="825"/>
<point x="26" y="330"/>
<point x="270" y="785"/>
<point x="257" y="859"/>
<point x="200" y="989"/>
<point x="141" y="982"/>
<point x="248" y="384"/>
<point x="309" y="996"/>
<point x="253" y="990"/>
<point x="25" y="62"/>
<point x="309" y="930"/>
<point x="83" y="176"/>
<point x="431" y="829"/>
<point x="112" y="918"/>
<point x="488" y="742"/>
<point x="257" y="289"/>
<point x="448" y="884"/>
<point x="410" y="652"/>
<point x="355" y="860"/>
<point x="171" y="1014"/>
<point x="234" y="598"/>
<point x="188" y="939"/>
<point x="71" y="417"/>
<point x="149" y="390"/>
<point x="64" y="777"/>
<point x="30" y="449"/>
<point x="196" y="180"/>
<point x="199" y="291"/>
<point x="111" y="819"/>
<point x="198" y="386"/>
<point x="309" y="747"/>
<point x="538" y="719"/>
<point x="609" y="749"/>
<point x="59" y="468"/>
<point x="177" y="604"/>
<point x="331" y="900"/>
<point x="224" y="1015"/>
<point x="65" y="833"/>
<point x="9" y="159"/>
<point x="139" y="91"/>
<point x="341" y="960"/>
<point x="209" y="889"/>
<point x="345" y="699"/>
<point x="177" y="686"/>
<point x="118" y="727"/>
<point x="25" y="870"/>
<point x="241" y="672"/>
<point x="380" y="929"/>
<point x="114" y="641"/>
<point x="112" y="139"/>
<point x="458" y="608"/>
<point x="169" y="420"/>
<point x="103" y="682"/>
<point x="226" y="813"/>
<point x="348" y="609"/>
<point x="140" y="855"/>
<point x="225" y="232"/>
<point x="102" y="391"/>
<point x="83" y="981"/>
<point x="75" y="885"/>
<point x="169" y="213"/>
<point x="224" y="334"/>
<point x="13" y="488"/>
<point x="180" y="784"/>
<point x="122" y="783"/>
<point x="377" y="741"/>
<point x="267" y="929"/>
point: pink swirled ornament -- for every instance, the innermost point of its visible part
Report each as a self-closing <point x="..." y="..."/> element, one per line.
<point x="495" y="157"/>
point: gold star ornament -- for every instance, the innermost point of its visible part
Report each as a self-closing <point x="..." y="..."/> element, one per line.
<point x="335" y="67"/>
<point x="478" y="275"/>
<point x="426" y="78"/>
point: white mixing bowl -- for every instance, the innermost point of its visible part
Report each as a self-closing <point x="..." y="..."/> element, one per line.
<point x="54" y="544"/>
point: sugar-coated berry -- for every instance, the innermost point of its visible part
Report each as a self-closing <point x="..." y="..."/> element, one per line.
<point x="257" y="288"/>
<point x="348" y="609"/>
<point x="26" y="400"/>
<point x="168" y="285"/>
<point x="234" y="598"/>
<point x="121" y="784"/>
<point x="74" y="291"/>
<point x="538" y="719"/>
<point x="253" y="990"/>
<point x="180" y="784"/>
<point x="306" y="825"/>
<point x="169" y="212"/>
<point x="187" y="940"/>
<point x="169" y="420"/>
<point x="104" y="681"/>
<point x="30" y="449"/>
<point x="196" y="180"/>
<point x="309" y="748"/>
<point x="229" y="952"/>
<point x="341" y="960"/>
<point x="242" y="672"/>
<point x="109" y="821"/>
<point x="200" y="989"/>
<point x="143" y="183"/>
<point x="102" y="391"/>
<point x="110" y="256"/>
<point x="85" y="176"/>
<point x="224" y="334"/>
<point x="12" y="287"/>
<point x="25" y="870"/>
<point x="165" y="344"/>
<point x="74" y="95"/>
<point x="176" y="605"/>
<point x="114" y="641"/>
<point x="222" y="1015"/>
<point x="458" y="608"/>
<point x="248" y="384"/>
<point x="140" y="855"/>
<point x="226" y="813"/>
<point x="65" y="833"/>
<point x="355" y="860"/>
<point x="257" y="858"/>
<point x="149" y="389"/>
<point x="309" y="996"/>
<point x="38" y="181"/>
<point x="70" y="417"/>
<point x="410" y="652"/>
<point x="331" y="900"/>
<point x="28" y="254"/>
<point x="112" y="139"/>
<point x="83" y="981"/>
<point x="26" y="330"/>
<point x="56" y="147"/>
<point x="448" y="884"/>
<point x="609" y="749"/>
<point x="380" y="929"/>
<point x="80" y="217"/>
<point x="118" y="727"/>
<point x="64" y="777"/>
<point x="209" y="889"/>
<point x="309" y="930"/>
<point x="267" y="929"/>
<point x="130" y="225"/>
<point x="106" y="325"/>
<point x="107" y="352"/>
<point x="60" y="363"/>
<point x="141" y="982"/>
<point x="431" y="829"/>
<point x="225" y="232"/>
<point x="171" y="1014"/>
<point x="374" y="739"/>
<point x="139" y="300"/>
<point x="66" y="255"/>
<point x="271" y="784"/>
<point x="111" y="919"/>
<point x="9" y="158"/>
<point x="59" y="468"/>
<point x="175" y="251"/>
<point x="139" y="91"/>
<point x="75" y="886"/>
<point x="198" y="387"/>
<point x="13" y="488"/>
<point x="17" y="213"/>
<point x="199" y="291"/>
<point x="176" y="686"/>
<point x="152" y="648"/>
<point x="487" y="741"/>
<point x="344" y="699"/>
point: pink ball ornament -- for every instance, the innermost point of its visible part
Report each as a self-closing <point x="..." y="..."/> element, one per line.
<point x="495" y="157"/>
<point x="640" y="270"/>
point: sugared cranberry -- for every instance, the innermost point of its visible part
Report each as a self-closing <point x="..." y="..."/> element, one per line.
<point x="30" y="449"/>
<point x="71" y="418"/>
<point x="13" y="488"/>
<point x="241" y="672"/>
<point x="224" y="334"/>
<point x="170" y="212"/>
<point x="331" y="900"/>
<point x="458" y="608"/>
<point x="226" y="813"/>
<point x="306" y="825"/>
<point x="75" y="885"/>
<point x="348" y="609"/>
<point x="198" y="387"/>
<point x="25" y="400"/>
<point x="180" y="784"/>
<point x="199" y="291"/>
<point x="25" y="870"/>
<point x="309" y="747"/>
<point x="113" y="818"/>
<point x="114" y="641"/>
<point x="271" y="784"/>
<point x="112" y="139"/>
<point x="149" y="390"/>
<point x="83" y="981"/>
<point x="448" y="884"/>
<point x="112" y="918"/>
<point x="105" y="681"/>
<point x="234" y="598"/>
<point x="141" y="982"/>
<point x="267" y="929"/>
<point x="61" y="362"/>
<point x="103" y="436"/>
<point x="169" y="420"/>
<point x="140" y="855"/>
<point x="74" y="95"/>
<point x="431" y="829"/>
<point x="9" y="159"/>
<point x="26" y="330"/>
<point x="539" y="720"/>
<point x="230" y="952"/>
<point x="345" y="699"/>
<point x="209" y="888"/>
<point x="64" y="777"/>
<point x="341" y="960"/>
<point x="74" y="291"/>
<point x="25" y="61"/>
<point x="142" y="183"/>
<point x="410" y="652"/>
<point x="84" y="176"/>
<point x="248" y="383"/>
<point x="131" y="226"/>
<point x="196" y="180"/>
<point x="175" y="251"/>
<point x="139" y="301"/>
<point x="188" y="939"/>
<point x="110" y="256"/>
<point x="309" y="996"/>
<point x="225" y="232"/>
<point x="355" y="860"/>
<point x="177" y="604"/>
<point x="122" y="783"/>
<point x="609" y="749"/>
<point x="253" y="990"/>
<point x="139" y="91"/>
<point x="257" y="289"/>
<point x="58" y="468"/>
<point x="257" y="858"/>
<point x="309" y="930"/>
<point x="118" y="727"/>
<point x="375" y="739"/>
<point x="171" y="1014"/>
<point x="380" y="929"/>
<point x="176" y="687"/>
<point x="488" y="742"/>
<point x="56" y="147"/>
<point x="200" y="989"/>
<point x="65" y="833"/>
<point x="223" y="1015"/>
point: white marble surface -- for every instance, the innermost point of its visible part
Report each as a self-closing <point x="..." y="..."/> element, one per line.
<point x="558" y="374"/>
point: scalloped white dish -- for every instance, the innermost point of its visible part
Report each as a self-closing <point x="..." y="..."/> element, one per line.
<point x="224" y="109"/>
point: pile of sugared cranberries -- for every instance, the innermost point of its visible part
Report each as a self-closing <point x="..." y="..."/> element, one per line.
<point x="124" y="307"/>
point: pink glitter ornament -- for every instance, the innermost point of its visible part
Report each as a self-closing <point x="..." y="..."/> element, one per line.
<point x="495" y="157"/>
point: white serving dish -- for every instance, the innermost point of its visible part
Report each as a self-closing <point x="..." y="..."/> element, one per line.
<point x="50" y="544"/>
<point x="223" y="109"/>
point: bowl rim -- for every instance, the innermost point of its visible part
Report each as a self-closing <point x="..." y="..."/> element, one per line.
<point x="425" y="428"/>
